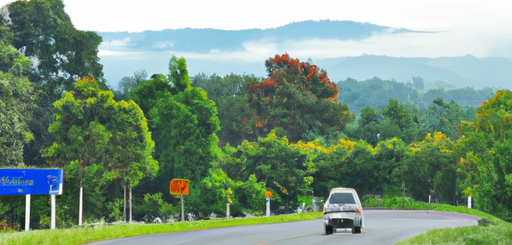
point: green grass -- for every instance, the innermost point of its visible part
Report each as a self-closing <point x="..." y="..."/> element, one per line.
<point x="496" y="232"/>
<point x="98" y="233"/>
<point x="492" y="234"/>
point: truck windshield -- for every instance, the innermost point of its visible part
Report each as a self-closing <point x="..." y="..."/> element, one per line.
<point x="339" y="198"/>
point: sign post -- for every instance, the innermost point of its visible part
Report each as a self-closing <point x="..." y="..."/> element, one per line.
<point x="17" y="182"/>
<point x="180" y="187"/>
<point x="268" y="195"/>
<point x="27" y="212"/>
<point x="52" y="224"/>
<point x="228" y="195"/>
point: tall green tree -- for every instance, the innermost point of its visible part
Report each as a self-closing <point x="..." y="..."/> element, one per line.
<point x="231" y="95"/>
<point x="368" y="126"/>
<point x="178" y="74"/>
<point x="443" y="117"/>
<point x="16" y="105"/>
<point x="489" y="139"/>
<point x="43" y="31"/>
<point x="131" y="151"/>
<point x="184" y="122"/>
<point x="390" y="158"/>
<point x="401" y="122"/>
<point x="128" y="83"/>
<point x="46" y="32"/>
<point x="185" y="126"/>
<point x="91" y="128"/>
<point x="328" y="168"/>
<point x="431" y="169"/>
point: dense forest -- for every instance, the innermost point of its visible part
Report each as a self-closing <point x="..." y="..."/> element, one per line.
<point x="294" y="133"/>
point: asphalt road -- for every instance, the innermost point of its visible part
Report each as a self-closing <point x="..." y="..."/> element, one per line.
<point x="380" y="227"/>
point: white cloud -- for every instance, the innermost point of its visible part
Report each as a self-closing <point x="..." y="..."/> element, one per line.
<point x="409" y="44"/>
<point x="481" y="27"/>
<point x="120" y="48"/>
<point x="163" y="44"/>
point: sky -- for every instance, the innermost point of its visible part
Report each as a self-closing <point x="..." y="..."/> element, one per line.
<point x="461" y="27"/>
<point x="480" y="28"/>
<point x="446" y="28"/>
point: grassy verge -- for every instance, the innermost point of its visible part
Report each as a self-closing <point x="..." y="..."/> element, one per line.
<point x="98" y="233"/>
<point x="496" y="231"/>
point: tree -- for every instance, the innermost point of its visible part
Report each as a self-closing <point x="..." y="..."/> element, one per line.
<point x="376" y="93"/>
<point x="418" y="83"/>
<point x="390" y="161"/>
<point x="295" y="98"/>
<point x="148" y="92"/>
<point x="401" y="122"/>
<point x="46" y="31"/>
<point x="184" y="122"/>
<point x="489" y="139"/>
<point x="60" y="54"/>
<point x="185" y="126"/>
<point x="369" y="128"/>
<point x="282" y="168"/>
<point x="328" y="166"/>
<point x="178" y="74"/>
<point x="91" y="128"/>
<point x="131" y="151"/>
<point x="430" y="169"/>
<point x="442" y="117"/>
<point x="231" y="95"/>
<point x="16" y="95"/>
<point x="127" y="84"/>
<point x="361" y="169"/>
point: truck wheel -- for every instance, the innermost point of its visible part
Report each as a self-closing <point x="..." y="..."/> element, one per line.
<point x="328" y="230"/>
<point x="356" y="229"/>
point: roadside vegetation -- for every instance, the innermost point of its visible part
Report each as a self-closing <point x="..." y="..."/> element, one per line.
<point x="490" y="230"/>
<point x="100" y="232"/>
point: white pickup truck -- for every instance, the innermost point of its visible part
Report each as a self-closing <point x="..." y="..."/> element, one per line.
<point x="343" y="210"/>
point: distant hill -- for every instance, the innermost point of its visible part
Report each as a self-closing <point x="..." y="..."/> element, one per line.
<point x="206" y="40"/>
<point x="245" y="51"/>
<point x="377" y="93"/>
<point x="461" y="72"/>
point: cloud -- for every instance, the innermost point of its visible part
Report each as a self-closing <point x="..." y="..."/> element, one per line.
<point x="250" y="59"/>
<point x="163" y="44"/>
<point x="444" y="43"/>
<point x="120" y="48"/>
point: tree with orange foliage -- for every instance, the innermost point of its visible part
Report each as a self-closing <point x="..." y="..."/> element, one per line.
<point x="296" y="98"/>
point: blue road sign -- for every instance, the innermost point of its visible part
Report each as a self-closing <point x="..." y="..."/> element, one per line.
<point x="31" y="181"/>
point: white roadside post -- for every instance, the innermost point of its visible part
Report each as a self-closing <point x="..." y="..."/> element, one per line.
<point x="268" y="207"/>
<point x="228" y="202"/>
<point x="80" y="206"/>
<point x="469" y="201"/>
<point x="27" y="212"/>
<point x="182" y="208"/>
<point x="268" y="194"/>
<point x="52" y="226"/>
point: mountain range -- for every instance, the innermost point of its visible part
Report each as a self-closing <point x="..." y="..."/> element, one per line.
<point x="245" y="51"/>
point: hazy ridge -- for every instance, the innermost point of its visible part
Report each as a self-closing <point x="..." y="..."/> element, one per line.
<point x="204" y="50"/>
